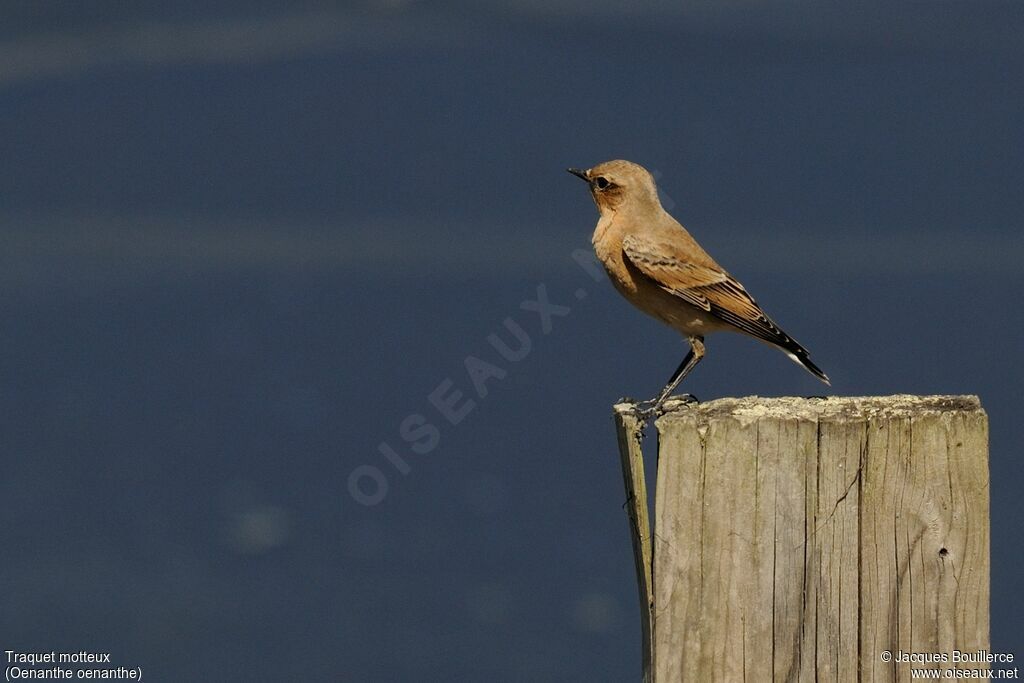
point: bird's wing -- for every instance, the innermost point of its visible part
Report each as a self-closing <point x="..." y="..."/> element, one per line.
<point x="709" y="288"/>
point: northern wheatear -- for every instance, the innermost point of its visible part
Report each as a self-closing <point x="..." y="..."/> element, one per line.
<point x="660" y="269"/>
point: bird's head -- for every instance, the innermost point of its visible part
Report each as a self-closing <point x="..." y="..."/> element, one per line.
<point x="617" y="184"/>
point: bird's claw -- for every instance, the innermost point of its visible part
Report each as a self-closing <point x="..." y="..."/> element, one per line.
<point x="646" y="410"/>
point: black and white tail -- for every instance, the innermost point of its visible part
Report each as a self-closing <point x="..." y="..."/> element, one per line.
<point x="799" y="355"/>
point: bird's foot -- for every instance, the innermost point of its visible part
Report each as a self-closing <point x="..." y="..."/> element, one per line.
<point x="652" y="408"/>
<point x="645" y="410"/>
<point x="641" y="409"/>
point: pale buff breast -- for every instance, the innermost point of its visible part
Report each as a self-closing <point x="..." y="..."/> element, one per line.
<point x="643" y="292"/>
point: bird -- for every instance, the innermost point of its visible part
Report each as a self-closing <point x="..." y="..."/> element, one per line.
<point x="660" y="268"/>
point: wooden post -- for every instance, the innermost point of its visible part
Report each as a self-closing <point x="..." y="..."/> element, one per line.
<point x="630" y="431"/>
<point x="808" y="539"/>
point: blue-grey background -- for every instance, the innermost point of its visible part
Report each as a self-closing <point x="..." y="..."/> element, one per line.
<point x="240" y="243"/>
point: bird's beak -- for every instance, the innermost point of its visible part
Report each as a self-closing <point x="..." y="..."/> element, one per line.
<point x="579" y="173"/>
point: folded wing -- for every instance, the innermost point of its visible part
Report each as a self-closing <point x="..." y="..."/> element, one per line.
<point x="708" y="288"/>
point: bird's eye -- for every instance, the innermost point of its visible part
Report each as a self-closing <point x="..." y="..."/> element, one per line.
<point x="602" y="183"/>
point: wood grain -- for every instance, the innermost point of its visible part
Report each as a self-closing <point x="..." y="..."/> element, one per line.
<point x="799" y="539"/>
<point x="630" y="435"/>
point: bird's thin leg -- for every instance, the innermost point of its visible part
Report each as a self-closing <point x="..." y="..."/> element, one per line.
<point x="689" y="363"/>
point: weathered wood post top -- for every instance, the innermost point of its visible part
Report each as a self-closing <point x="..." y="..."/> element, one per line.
<point x="811" y="539"/>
